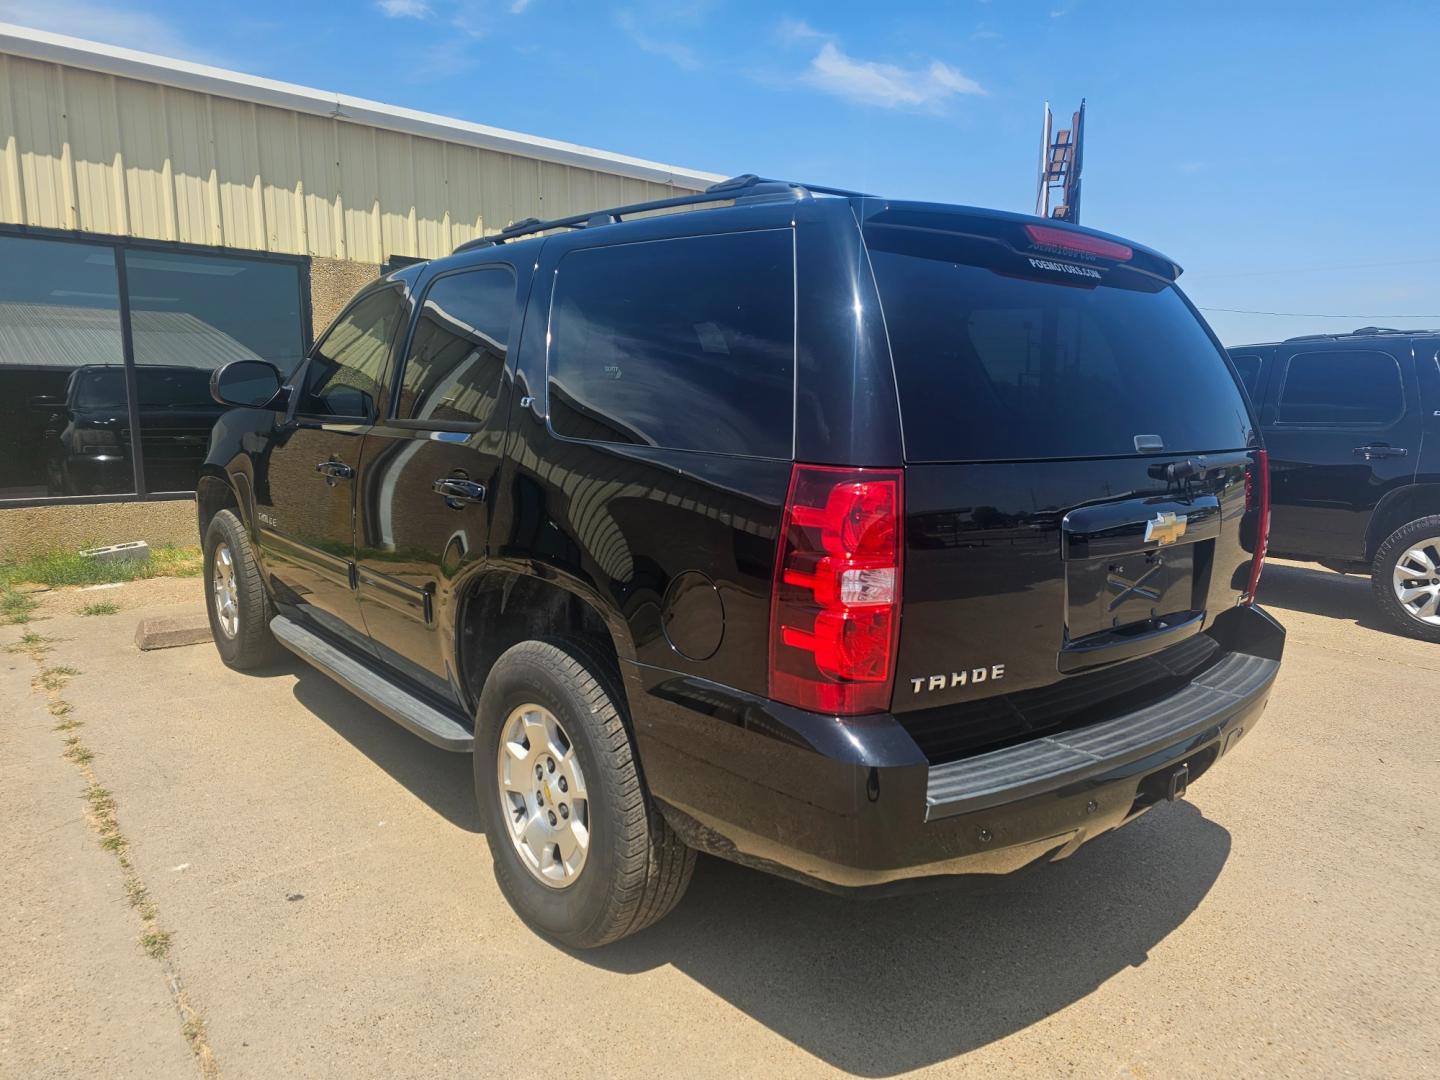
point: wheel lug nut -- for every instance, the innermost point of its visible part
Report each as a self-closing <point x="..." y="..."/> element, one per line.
<point x="539" y="773"/>
<point x="550" y="764"/>
<point x="539" y="799"/>
<point x="565" y="811"/>
<point x="552" y="817"/>
<point x="564" y="784"/>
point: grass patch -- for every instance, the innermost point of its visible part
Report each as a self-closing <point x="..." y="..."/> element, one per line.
<point x="62" y="709"/>
<point x="68" y="568"/>
<point x="102" y="607"/>
<point x="77" y="751"/>
<point x="54" y="678"/>
<point x="156" y="943"/>
<point x="32" y="643"/>
<point x="15" y="607"/>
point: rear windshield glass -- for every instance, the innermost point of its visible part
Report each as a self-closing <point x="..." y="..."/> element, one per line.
<point x="1011" y="362"/>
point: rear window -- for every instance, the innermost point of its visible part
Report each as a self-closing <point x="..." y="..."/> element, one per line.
<point x="687" y="344"/>
<point x="1052" y="363"/>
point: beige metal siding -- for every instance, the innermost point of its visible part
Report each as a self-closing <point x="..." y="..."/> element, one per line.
<point x="107" y="154"/>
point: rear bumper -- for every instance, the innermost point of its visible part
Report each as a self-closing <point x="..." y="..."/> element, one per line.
<point x="854" y="804"/>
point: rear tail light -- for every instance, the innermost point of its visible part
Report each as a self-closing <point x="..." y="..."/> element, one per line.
<point x="1257" y="503"/>
<point x="835" y="608"/>
<point x="1047" y="236"/>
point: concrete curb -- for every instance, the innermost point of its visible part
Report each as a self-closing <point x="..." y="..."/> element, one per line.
<point x="168" y="631"/>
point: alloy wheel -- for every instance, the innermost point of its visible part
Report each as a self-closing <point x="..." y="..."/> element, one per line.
<point x="225" y="591"/>
<point x="543" y="795"/>
<point x="1416" y="581"/>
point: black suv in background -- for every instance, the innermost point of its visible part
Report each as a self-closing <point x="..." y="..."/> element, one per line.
<point x="1354" y="485"/>
<point x="855" y="540"/>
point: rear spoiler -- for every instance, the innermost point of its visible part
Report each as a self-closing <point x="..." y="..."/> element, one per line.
<point x="1023" y="234"/>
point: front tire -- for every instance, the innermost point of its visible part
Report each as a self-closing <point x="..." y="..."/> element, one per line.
<point x="235" y="598"/>
<point x="1405" y="578"/>
<point x="581" y="852"/>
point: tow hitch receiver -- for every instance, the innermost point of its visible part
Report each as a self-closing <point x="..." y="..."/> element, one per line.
<point x="1179" y="781"/>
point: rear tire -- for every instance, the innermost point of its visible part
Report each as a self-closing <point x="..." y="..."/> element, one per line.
<point x="634" y="869"/>
<point x="1405" y="578"/>
<point x="235" y="598"/>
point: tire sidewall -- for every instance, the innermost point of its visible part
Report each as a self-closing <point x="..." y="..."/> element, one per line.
<point x="246" y="648"/>
<point x="1383" y="570"/>
<point x="565" y="914"/>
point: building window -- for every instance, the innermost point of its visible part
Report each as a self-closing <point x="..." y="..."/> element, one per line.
<point x="70" y="397"/>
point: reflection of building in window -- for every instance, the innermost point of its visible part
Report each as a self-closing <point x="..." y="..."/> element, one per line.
<point x="64" y="337"/>
<point x="453" y="373"/>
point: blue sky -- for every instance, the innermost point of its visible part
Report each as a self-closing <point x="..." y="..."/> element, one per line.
<point x="1284" y="153"/>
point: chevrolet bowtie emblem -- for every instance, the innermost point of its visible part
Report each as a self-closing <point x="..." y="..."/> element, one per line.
<point x="1165" y="527"/>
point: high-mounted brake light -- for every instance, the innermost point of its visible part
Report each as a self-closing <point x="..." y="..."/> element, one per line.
<point x="1257" y="502"/>
<point x="1081" y="243"/>
<point x="835" y="607"/>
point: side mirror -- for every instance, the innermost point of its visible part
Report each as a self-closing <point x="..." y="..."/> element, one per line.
<point x="248" y="384"/>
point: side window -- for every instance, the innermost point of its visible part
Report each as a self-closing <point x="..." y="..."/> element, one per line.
<point x="1248" y="367"/>
<point x="1341" y="388"/>
<point x="457" y="354"/>
<point x="686" y="344"/>
<point x="345" y="372"/>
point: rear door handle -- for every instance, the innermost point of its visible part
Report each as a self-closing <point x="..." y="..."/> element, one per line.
<point x="1380" y="450"/>
<point x="458" y="491"/>
<point x="335" y="470"/>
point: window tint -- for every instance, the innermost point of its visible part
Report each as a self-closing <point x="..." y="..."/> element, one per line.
<point x="996" y="366"/>
<point x="346" y="370"/>
<point x="686" y="344"/>
<point x="1247" y="365"/>
<point x="457" y="354"/>
<point x="1341" y="388"/>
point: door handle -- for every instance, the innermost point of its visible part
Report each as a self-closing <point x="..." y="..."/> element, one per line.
<point x="1380" y="450"/>
<point x="335" y="470"/>
<point x="458" y="491"/>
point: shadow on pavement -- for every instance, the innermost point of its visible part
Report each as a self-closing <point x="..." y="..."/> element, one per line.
<point x="879" y="987"/>
<point x="1321" y="592"/>
<point x="444" y="781"/>
<point x="873" y="987"/>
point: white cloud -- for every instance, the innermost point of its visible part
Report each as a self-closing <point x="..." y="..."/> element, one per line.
<point x="110" y="23"/>
<point x="404" y="9"/>
<point x="890" y="86"/>
<point x="676" y="52"/>
<point x="792" y="30"/>
<point x="519" y="6"/>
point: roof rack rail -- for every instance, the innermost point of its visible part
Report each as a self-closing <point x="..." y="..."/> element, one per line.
<point x="746" y="187"/>
<point x="1363" y="331"/>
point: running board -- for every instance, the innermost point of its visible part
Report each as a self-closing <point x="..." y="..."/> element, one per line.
<point x="407" y="710"/>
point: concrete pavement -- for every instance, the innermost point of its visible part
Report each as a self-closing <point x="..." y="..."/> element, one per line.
<point x="333" y="913"/>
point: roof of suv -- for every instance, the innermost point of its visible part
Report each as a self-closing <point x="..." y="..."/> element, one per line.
<point x="750" y="189"/>
<point x="1345" y="336"/>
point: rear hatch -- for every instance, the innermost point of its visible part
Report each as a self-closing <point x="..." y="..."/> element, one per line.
<point x="1076" y="452"/>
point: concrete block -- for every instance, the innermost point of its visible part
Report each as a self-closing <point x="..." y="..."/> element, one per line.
<point x="168" y="631"/>
<point x="134" y="551"/>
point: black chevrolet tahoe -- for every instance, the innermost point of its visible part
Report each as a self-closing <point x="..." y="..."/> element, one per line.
<point x="1355" y="487"/>
<point x="856" y="540"/>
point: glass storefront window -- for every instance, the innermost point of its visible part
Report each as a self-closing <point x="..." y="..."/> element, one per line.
<point x="192" y="314"/>
<point x="64" y="424"/>
<point x="65" y="409"/>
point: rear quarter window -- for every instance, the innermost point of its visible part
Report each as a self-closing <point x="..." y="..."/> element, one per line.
<point x="1341" y="387"/>
<point x="686" y="344"/>
<point x="997" y="364"/>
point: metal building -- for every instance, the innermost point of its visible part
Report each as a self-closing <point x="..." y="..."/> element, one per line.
<point x="158" y="217"/>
